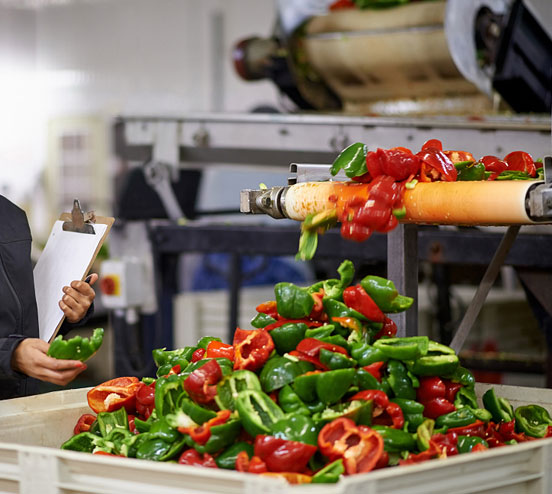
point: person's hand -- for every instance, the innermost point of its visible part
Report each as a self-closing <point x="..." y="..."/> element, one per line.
<point x="77" y="299"/>
<point x="29" y="358"/>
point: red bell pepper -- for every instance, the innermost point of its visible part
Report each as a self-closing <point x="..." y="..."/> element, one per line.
<point x="281" y="455"/>
<point x="198" y="354"/>
<point x="145" y="400"/>
<point x="359" y="446"/>
<point x="389" y="329"/>
<point x="309" y="351"/>
<point x="217" y="349"/>
<point x="114" y="394"/>
<point x="375" y="369"/>
<point x="451" y="389"/>
<point x="268" y="308"/>
<point x="431" y="387"/>
<point x="384" y="412"/>
<point x="253" y="465"/>
<point x="193" y="458"/>
<point x="436" y="165"/>
<point x="432" y="144"/>
<point x="494" y="165"/>
<point x="342" y="4"/>
<point x="201" y="383"/>
<point x="307" y="322"/>
<point x="202" y="433"/>
<point x="434" y="451"/>
<point x="131" y="425"/>
<point x="476" y="429"/>
<point x="398" y="163"/>
<point x="435" y="407"/>
<point x="521" y="161"/>
<point x="84" y="423"/>
<point x="356" y="298"/>
<point x="251" y="348"/>
<point x="447" y="442"/>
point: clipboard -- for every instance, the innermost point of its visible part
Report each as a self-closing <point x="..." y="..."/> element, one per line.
<point x="72" y="247"/>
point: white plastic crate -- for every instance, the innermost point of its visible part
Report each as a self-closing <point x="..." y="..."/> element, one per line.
<point x="31" y="430"/>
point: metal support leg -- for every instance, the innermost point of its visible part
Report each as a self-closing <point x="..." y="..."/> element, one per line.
<point x="234" y="282"/>
<point x="402" y="269"/>
<point x="486" y="283"/>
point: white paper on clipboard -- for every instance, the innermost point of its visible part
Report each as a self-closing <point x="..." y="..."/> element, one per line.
<point x="67" y="257"/>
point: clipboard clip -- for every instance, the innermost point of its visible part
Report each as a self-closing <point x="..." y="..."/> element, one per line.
<point x="80" y="222"/>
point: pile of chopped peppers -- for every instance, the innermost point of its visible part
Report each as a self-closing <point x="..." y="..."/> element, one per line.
<point x="320" y="388"/>
<point x="390" y="172"/>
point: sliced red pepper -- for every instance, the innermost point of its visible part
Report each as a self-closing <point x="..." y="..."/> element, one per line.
<point x="357" y="299"/>
<point x="359" y="446"/>
<point x="281" y="455"/>
<point x="521" y="161"/>
<point x="307" y="322"/>
<point x="253" y="465"/>
<point x="436" y="165"/>
<point x="398" y="163"/>
<point x="317" y="311"/>
<point x="434" y="451"/>
<point x="193" y="458"/>
<point x="459" y="156"/>
<point x="476" y="429"/>
<point x="145" y="399"/>
<point x="307" y="358"/>
<point x="375" y="369"/>
<point x="132" y="425"/>
<point x="432" y="143"/>
<point x="268" y="308"/>
<point x="384" y="413"/>
<point x="435" y="407"/>
<point x="201" y="383"/>
<point x="198" y="355"/>
<point x="447" y="442"/>
<point x="312" y="347"/>
<point x="217" y="349"/>
<point x="114" y="394"/>
<point x="251" y="348"/>
<point x="494" y="165"/>
<point x="202" y="433"/>
<point x="431" y="387"/>
<point x="389" y="329"/>
<point x="349" y="323"/>
<point x="84" y="423"/>
<point x="451" y="389"/>
<point x="341" y="4"/>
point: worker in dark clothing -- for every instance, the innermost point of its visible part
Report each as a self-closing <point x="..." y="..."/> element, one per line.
<point x="23" y="357"/>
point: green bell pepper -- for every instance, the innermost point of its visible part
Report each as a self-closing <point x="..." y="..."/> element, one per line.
<point x="205" y="340"/>
<point x="107" y="421"/>
<point x="399" y="381"/>
<point x="336" y="339"/>
<point x="335" y="308"/>
<point x="332" y="385"/>
<point x="334" y="360"/>
<point x="408" y="348"/>
<point x="221" y="437"/>
<point x="500" y="408"/>
<point x="321" y="332"/>
<point x="333" y="288"/>
<point x="287" y="336"/>
<point x="296" y="427"/>
<point x="87" y="443"/>
<point x="77" y="348"/>
<point x="257" y="411"/>
<point x="167" y="359"/>
<point x="121" y="441"/>
<point x="359" y="411"/>
<point x="279" y="371"/>
<point x="534" y="420"/>
<point x="196" y="412"/>
<point x="365" y="380"/>
<point x="424" y="433"/>
<point x="384" y="293"/>
<point x="463" y="376"/>
<point x="465" y="397"/>
<point x="229" y="387"/>
<point x="262" y="320"/>
<point x="290" y="402"/>
<point x="395" y="440"/>
<point x="352" y="160"/>
<point x="470" y="170"/>
<point x="459" y="418"/>
<point x="292" y="302"/>
<point x="168" y="390"/>
<point x="227" y="459"/>
<point x="435" y="348"/>
<point x="466" y="443"/>
<point x="305" y="386"/>
<point x="366" y="354"/>
<point x="330" y="474"/>
<point x="434" y="365"/>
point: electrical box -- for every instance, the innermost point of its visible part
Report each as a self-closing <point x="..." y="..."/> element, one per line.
<point x="122" y="283"/>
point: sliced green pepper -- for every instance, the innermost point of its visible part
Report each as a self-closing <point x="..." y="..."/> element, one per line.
<point x="279" y="371"/>
<point x="332" y="385"/>
<point x="221" y="437"/>
<point x="399" y="381"/>
<point x="293" y="302"/>
<point x="500" y="408"/>
<point x="352" y="160"/>
<point x="87" y="443"/>
<point x="434" y="365"/>
<point x="359" y="411"/>
<point x="366" y="354"/>
<point x="296" y="427"/>
<point x="463" y="376"/>
<point x="334" y="360"/>
<point x="321" y="332"/>
<point x="384" y="293"/>
<point x="458" y="418"/>
<point x="107" y="421"/>
<point x="466" y="443"/>
<point x="196" y="412"/>
<point x="290" y="402"/>
<point x="229" y="387"/>
<point x="395" y="440"/>
<point x="408" y="348"/>
<point x="305" y="386"/>
<point x="77" y="348"/>
<point x="366" y="380"/>
<point x="287" y="336"/>
<point x="534" y="420"/>
<point x="413" y="412"/>
<point x="470" y="170"/>
<point x="424" y="433"/>
<point x="335" y="308"/>
<point x="330" y="474"/>
<point x="167" y="392"/>
<point x="257" y="411"/>
<point x="465" y="397"/>
<point x="262" y="320"/>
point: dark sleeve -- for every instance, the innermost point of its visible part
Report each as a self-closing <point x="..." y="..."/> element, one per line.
<point x="7" y="346"/>
<point x="68" y="326"/>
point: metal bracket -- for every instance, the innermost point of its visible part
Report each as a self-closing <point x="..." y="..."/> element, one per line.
<point x="158" y="177"/>
<point x="483" y="290"/>
<point x="264" y="201"/>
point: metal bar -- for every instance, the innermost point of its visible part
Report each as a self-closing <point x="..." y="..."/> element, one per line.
<point x="234" y="282"/>
<point x="482" y="291"/>
<point x="402" y="269"/>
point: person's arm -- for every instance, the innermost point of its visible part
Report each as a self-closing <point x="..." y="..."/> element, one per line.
<point x="29" y="356"/>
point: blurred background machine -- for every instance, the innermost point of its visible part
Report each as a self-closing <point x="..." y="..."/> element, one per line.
<point x="437" y="57"/>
